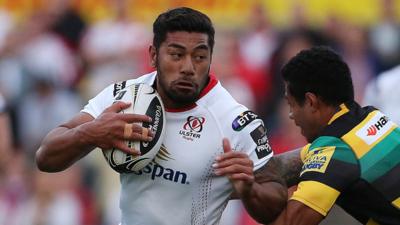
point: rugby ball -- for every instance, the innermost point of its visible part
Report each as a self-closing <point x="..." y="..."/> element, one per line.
<point x="146" y="101"/>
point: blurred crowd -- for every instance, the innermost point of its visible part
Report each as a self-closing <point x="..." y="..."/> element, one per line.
<point x="54" y="61"/>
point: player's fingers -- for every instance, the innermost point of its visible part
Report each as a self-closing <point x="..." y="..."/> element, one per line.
<point x="226" y="145"/>
<point x="233" y="161"/>
<point x="117" y="106"/>
<point x="146" y="133"/>
<point x="128" y="130"/>
<point x="134" y="118"/>
<point x="141" y="136"/>
<point x="121" y="145"/>
<point x="233" y="169"/>
<point x="242" y="176"/>
<point x="231" y="155"/>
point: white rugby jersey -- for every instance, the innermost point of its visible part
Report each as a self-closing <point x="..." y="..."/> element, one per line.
<point x="179" y="187"/>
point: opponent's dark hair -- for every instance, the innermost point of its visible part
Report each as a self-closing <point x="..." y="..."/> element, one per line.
<point x="182" y="19"/>
<point x="321" y="71"/>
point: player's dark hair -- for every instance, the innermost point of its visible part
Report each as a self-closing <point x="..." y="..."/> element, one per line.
<point x="182" y="19"/>
<point x="321" y="71"/>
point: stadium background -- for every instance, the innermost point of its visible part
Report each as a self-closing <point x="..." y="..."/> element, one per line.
<point x="54" y="55"/>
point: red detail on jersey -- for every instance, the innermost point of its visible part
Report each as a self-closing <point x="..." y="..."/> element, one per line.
<point x="194" y="123"/>
<point x="371" y="130"/>
<point x="211" y="83"/>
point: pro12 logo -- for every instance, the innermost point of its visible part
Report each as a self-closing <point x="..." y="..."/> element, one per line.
<point x="259" y="136"/>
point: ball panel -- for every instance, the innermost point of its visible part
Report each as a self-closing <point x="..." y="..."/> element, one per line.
<point x="145" y="100"/>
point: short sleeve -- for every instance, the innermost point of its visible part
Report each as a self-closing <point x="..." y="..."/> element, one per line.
<point x="253" y="140"/>
<point x="104" y="99"/>
<point x="322" y="178"/>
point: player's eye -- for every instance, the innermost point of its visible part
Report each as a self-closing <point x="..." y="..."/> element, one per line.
<point x="176" y="55"/>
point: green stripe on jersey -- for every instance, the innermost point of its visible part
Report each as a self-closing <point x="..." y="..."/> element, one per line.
<point x="383" y="157"/>
<point x="343" y="152"/>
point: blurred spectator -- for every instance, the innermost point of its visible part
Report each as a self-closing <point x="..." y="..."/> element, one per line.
<point x="51" y="200"/>
<point x="256" y="47"/>
<point x="287" y="135"/>
<point x="14" y="190"/>
<point x="31" y="49"/>
<point x="385" y="36"/>
<point x="383" y="92"/>
<point x="70" y="27"/>
<point x="291" y="42"/>
<point x="113" y="49"/>
<point x="355" y="50"/>
<point x="5" y="137"/>
<point x="45" y="107"/>
<point x="69" y="24"/>
<point x="225" y="67"/>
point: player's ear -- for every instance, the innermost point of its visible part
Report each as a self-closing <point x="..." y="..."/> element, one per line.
<point x="153" y="56"/>
<point x="312" y="101"/>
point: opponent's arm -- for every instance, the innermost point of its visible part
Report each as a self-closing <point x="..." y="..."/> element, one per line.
<point x="286" y="165"/>
<point x="263" y="193"/>
<point x="73" y="140"/>
<point x="296" y="213"/>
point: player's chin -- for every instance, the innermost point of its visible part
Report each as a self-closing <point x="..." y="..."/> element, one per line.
<point x="186" y="96"/>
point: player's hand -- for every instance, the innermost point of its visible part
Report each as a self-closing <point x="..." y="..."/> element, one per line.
<point x="111" y="129"/>
<point x="238" y="167"/>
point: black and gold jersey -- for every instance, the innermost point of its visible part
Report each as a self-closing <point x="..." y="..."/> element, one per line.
<point x="355" y="163"/>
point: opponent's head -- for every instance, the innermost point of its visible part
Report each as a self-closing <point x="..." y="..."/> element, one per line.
<point x="181" y="51"/>
<point x="317" y="81"/>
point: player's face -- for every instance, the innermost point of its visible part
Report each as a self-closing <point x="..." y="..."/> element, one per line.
<point x="303" y="116"/>
<point x="183" y="64"/>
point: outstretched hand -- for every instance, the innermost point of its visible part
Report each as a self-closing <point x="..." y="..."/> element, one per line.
<point x="237" y="166"/>
<point x="111" y="129"/>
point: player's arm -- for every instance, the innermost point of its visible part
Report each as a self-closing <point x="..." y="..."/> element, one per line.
<point x="319" y="187"/>
<point x="71" y="141"/>
<point x="5" y="140"/>
<point x="296" y="213"/>
<point x="284" y="167"/>
<point x="263" y="192"/>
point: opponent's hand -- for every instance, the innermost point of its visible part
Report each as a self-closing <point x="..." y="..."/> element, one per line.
<point x="112" y="129"/>
<point x="238" y="167"/>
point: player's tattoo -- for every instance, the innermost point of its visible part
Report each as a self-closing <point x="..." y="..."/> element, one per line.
<point x="283" y="168"/>
<point x="290" y="164"/>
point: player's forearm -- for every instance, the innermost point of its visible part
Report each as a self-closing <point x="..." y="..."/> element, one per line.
<point x="265" y="201"/>
<point x="62" y="147"/>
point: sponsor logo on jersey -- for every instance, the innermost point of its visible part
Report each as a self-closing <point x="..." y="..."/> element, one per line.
<point x="118" y="87"/>
<point x="375" y="128"/>
<point x="155" y="112"/>
<point x="192" y="128"/>
<point x="157" y="171"/>
<point x="259" y="136"/>
<point x="243" y="120"/>
<point x="317" y="160"/>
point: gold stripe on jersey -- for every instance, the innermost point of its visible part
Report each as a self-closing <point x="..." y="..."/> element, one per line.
<point x="309" y="193"/>
<point x="343" y="110"/>
<point x="303" y="152"/>
<point x="359" y="146"/>
<point x="396" y="203"/>
<point x="371" y="222"/>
